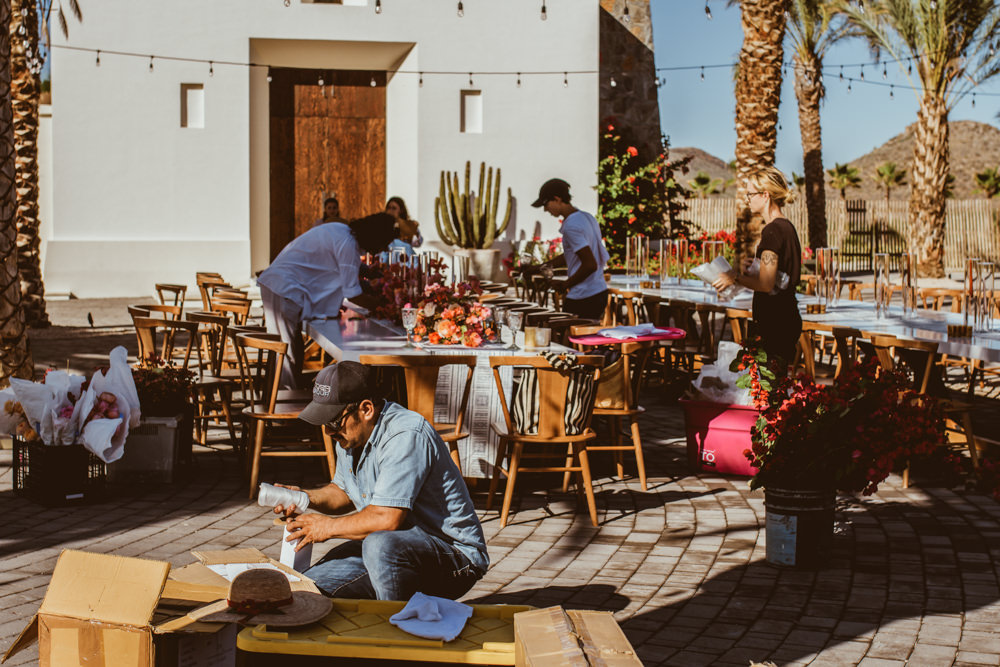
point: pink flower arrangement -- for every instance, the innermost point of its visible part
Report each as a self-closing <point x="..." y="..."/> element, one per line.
<point x="453" y="316"/>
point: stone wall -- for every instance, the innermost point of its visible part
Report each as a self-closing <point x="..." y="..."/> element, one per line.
<point x="627" y="59"/>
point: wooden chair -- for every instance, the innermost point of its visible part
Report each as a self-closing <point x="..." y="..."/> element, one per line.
<point x="212" y="338"/>
<point x="561" y="327"/>
<point x="618" y="399"/>
<point x="698" y="346"/>
<point x="266" y="411"/>
<point x="859" y="291"/>
<point x="147" y="330"/>
<point x="739" y="322"/>
<point x="173" y="293"/>
<point x="421" y="373"/>
<point x="163" y="310"/>
<point x="934" y="298"/>
<point x="847" y="349"/>
<point x="552" y="404"/>
<point x="238" y="311"/>
<point x="920" y="357"/>
<point x="811" y="345"/>
<point x="206" y="281"/>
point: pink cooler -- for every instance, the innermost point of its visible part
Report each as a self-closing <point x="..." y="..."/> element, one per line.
<point x="717" y="436"/>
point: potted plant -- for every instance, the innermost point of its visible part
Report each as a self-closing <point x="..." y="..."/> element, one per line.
<point x="469" y="220"/>
<point x="811" y="441"/>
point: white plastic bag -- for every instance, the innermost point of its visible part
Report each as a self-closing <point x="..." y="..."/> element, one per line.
<point x="716" y="383"/>
<point x="106" y="437"/>
<point x="8" y="422"/>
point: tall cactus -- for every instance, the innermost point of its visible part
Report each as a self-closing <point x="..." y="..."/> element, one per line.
<point x="467" y="219"/>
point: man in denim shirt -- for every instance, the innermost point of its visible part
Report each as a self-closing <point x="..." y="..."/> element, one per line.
<point x="415" y="528"/>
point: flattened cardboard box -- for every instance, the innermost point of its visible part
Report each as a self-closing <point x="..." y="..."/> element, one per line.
<point x="205" y="581"/>
<point x="552" y="637"/>
<point x="107" y="611"/>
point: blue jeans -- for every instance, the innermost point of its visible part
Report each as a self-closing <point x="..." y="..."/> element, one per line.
<point x="393" y="565"/>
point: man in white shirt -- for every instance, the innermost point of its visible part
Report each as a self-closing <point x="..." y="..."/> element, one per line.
<point x="312" y="276"/>
<point x="584" y="254"/>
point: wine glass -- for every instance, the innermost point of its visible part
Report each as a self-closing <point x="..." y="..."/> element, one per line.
<point x="409" y="323"/>
<point x="514" y="320"/>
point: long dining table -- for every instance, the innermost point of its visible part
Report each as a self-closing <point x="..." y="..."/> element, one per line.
<point x="348" y="339"/>
<point x="921" y="324"/>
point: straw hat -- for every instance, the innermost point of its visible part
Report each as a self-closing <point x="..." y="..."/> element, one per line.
<point x="264" y="596"/>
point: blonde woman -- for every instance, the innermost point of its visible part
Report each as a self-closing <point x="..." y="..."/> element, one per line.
<point x="775" y="312"/>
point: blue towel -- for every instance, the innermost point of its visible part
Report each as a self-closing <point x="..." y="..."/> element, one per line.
<point x="432" y="617"/>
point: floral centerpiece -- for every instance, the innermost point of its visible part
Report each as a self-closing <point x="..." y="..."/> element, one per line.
<point x="847" y="436"/>
<point x="396" y="285"/>
<point x="452" y="315"/>
<point x="534" y="252"/>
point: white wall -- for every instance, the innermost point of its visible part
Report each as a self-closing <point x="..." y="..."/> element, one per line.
<point x="137" y="199"/>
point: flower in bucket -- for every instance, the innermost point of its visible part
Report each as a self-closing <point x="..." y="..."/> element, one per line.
<point x="848" y="436"/>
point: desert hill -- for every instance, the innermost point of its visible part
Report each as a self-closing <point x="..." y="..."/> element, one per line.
<point x="973" y="146"/>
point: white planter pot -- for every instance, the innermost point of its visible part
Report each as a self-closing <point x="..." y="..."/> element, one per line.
<point x="483" y="264"/>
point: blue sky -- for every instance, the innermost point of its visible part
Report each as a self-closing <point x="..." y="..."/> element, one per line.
<point x="700" y="113"/>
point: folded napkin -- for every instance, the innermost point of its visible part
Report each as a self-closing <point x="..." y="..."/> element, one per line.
<point x="432" y="617"/>
<point x="621" y="333"/>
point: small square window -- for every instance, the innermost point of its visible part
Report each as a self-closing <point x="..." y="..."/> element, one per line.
<point x="472" y="111"/>
<point x="193" y="105"/>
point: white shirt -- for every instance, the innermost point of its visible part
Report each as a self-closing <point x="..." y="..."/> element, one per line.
<point x="580" y="230"/>
<point x="318" y="270"/>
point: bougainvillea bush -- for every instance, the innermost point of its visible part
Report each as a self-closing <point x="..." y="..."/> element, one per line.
<point x="846" y="436"/>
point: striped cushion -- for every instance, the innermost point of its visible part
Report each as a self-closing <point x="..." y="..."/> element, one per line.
<point x="580" y="394"/>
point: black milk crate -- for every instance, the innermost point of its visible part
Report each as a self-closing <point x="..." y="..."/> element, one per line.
<point x="57" y="475"/>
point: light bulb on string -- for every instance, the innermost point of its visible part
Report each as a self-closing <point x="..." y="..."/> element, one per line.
<point x="288" y="3"/>
<point x="518" y="79"/>
<point x="211" y="68"/>
<point x="420" y="81"/>
<point x="973" y="100"/>
<point x="269" y="78"/>
<point x="322" y="85"/>
<point x="708" y="12"/>
<point x="373" y="82"/>
<point x="848" y="86"/>
<point x="626" y="17"/>
<point x="565" y="79"/>
<point x="909" y="69"/>
<point x="97" y="62"/>
<point x="151" y="64"/>
<point x="891" y="95"/>
<point x="841" y="72"/>
<point x="885" y="72"/>
<point x="613" y="82"/>
<point x="461" y="9"/>
<point x="861" y="6"/>
<point x="545" y="13"/>
<point x="702" y="73"/>
<point x="378" y="6"/>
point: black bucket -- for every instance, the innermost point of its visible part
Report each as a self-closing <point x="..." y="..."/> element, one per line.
<point x="799" y="527"/>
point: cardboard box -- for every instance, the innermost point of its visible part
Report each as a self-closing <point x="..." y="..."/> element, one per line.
<point x="205" y="581"/>
<point x="110" y="611"/>
<point x="553" y="637"/>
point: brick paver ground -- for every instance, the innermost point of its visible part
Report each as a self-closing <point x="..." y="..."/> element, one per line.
<point x="912" y="578"/>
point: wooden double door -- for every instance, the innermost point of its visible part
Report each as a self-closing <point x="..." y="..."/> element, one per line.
<point x="325" y="141"/>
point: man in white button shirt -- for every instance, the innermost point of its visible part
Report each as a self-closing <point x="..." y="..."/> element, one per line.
<point x="584" y="254"/>
<point x="312" y="276"/>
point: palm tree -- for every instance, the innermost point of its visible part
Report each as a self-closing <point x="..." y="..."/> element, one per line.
<point x="843" y="176"/>
<point x="988" y="182"/>
<point x="812" y="29"/>
<point x="758" y="95"/>
<point x="798" y="180"/>
<point x="704" y="185"/>
<point x="889" y="176"/>
<point x="950" y="45"/>
<point x="15" y="355"/>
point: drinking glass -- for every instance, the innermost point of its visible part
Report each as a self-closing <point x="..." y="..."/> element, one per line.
<point x="835" y="275"/>
<point x="409" y="323"/>
<point x="883" y="286"/>
<point x="681" y="254"/>
<point x="907" y="278"/>
<point x="459" y="268"/>
<point x="970" y="307"/>
<point x="514" y="320"/>
<point x="499" y="319"/>
<point x="822" y="275"/>
<point x="543" y="337"/>
<point x="668" y="263"/>
<point x="987" y="273"/>
<point x="637" y="258"/>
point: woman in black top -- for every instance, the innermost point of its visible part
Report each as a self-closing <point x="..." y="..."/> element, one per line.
<point x="775" y="313"/>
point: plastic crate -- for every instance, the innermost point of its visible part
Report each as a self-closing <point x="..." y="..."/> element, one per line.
<point x="150" y="454"/>
<point x="57" y="475"/>
<point x="717" y="436"/>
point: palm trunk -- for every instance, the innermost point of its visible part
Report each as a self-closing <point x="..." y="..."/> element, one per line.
<point x="15" y="356"/>
<point x="927" y="194"/>
<point x="808" y="93"/>
<point x="26" y="88"/>
<point x="758" y="95"/>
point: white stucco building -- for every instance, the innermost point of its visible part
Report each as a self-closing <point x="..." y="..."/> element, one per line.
<point x="157" y="174"/>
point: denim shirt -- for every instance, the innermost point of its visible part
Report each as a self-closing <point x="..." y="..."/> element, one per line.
<point x="405" y="464"/>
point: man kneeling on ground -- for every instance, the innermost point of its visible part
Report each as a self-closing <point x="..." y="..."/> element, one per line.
<point x="415" y="528"/>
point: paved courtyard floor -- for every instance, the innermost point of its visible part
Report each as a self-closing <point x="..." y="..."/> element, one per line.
<point x="912" y="578"/>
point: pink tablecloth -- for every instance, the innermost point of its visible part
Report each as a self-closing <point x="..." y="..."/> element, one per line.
<point x="667" y="333"/>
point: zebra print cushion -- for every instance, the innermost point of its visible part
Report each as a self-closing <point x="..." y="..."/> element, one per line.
<point x="580" y="394"/>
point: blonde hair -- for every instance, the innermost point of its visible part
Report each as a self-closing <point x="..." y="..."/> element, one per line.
<point x="772" y="181"/>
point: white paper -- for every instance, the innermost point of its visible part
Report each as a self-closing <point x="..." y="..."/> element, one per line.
<point x="228" y="571"/>
<point x="297" y="560"/>
<point x="272" y="496"/>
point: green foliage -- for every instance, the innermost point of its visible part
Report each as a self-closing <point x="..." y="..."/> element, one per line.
<point x="704" y="185"/>
<point x="988" y="182"/>
<point x="467" y="219"/>
<point x="889" y="176"/>
<point x="636" y="197"/>
<point x="843" y="176"/>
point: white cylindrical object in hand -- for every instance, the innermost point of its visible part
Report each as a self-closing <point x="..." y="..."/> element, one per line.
<point x="297" y="560"/>
<point x="272" y="496"/>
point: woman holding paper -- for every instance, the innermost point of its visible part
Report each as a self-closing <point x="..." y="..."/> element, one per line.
<point x="774" y="273"/>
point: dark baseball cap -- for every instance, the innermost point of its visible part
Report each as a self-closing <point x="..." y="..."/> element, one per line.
<point x="336" y="387"/>
<point x="554" y="187"/>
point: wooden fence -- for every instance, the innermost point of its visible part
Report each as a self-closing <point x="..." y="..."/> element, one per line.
<point x="972" y="226"/>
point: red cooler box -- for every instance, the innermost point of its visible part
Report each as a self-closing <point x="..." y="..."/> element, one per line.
<point x="717" y="436"/>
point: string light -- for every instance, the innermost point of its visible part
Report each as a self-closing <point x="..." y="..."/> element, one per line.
<point x="613" y="82"/>
<point x="420" y="82"/>
<point x="211" y="68"/>
<point x="909" y="69"/>
<point x="626" y="18"/>
<point x="545" y="14"/>
<point x="973" y="100"/>
<point x="378" y="6"/>
<point x="891" y="95"/>
<point x="565" y="79"/>
<point x="269" y="75"/>
<point x="841" y="72"/>
<point x="518" y="79"/>
<point x="885" y="73"/>
<point x="470" y="79"/>
<point x="151" y="64"/>
<point x="97" y="62"/>
<point x="288" y="3"/>
<point x="702" y="73"/>
<point x="861" y="6"/>
<point x="461" y="9"/>
<point x="708" y="12"/>
<point x="322" y="85"/>
<point x="373" y="82"/>
<point x="862" y="70"/>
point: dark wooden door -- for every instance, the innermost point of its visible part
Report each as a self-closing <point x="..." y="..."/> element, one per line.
<point x="325" y="141"/>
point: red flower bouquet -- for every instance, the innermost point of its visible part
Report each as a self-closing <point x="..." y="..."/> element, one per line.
<point x="454" y="316"/>
<point x="847" y="436"/>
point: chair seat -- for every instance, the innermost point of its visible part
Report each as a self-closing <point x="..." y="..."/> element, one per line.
<point x="619" y="412"/>
<point x="282" y="411"/>
<point x="447" y="432"/>
<point x="501" y="431"/>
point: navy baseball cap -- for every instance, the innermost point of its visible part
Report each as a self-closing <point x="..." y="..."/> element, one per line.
<point x="336" y="387"/>
<point x="554" y="187"/>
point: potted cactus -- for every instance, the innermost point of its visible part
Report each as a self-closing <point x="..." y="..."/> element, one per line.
<point x="469" y="220"/>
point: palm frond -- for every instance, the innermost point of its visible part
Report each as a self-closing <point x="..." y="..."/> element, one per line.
<point x="62" y="21"/>
<point x="74" y="7"/>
